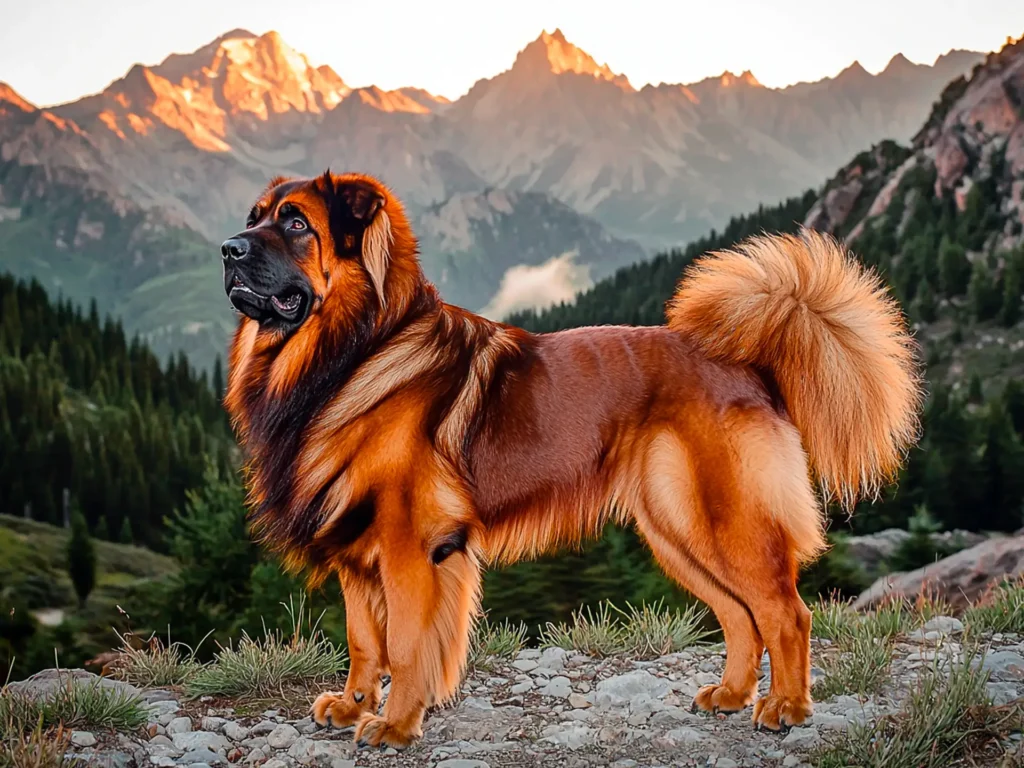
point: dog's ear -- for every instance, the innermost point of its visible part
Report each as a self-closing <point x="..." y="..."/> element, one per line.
<point x="358" y="221"/>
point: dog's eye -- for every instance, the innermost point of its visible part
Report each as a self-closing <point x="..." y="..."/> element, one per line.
<point x="297" y="225"/>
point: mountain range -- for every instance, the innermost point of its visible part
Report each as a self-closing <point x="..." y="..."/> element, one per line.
<point x="533" y="185"/>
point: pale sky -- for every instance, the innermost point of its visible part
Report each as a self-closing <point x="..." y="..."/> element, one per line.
<point x="58" y="50"/>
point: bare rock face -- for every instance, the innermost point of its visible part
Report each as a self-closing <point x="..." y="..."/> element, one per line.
<point x="951" y="160"/>
<point x="959" y="579"/>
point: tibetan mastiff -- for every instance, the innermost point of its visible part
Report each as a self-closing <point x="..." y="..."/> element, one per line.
<point x="402" y="443"/>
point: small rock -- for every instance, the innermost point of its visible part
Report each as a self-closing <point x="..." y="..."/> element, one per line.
<point x="202" y="756"/>
<point x="1002" y="693"/>
<point x="552" y="658"/>
<point x="82" y="739"/>
<point x="235" y="732"/>
<point x="790" y="761"/>
<point x="523" y="687"/>
<point x="255" y="756"/>
<point x="1004" y="666"/>
<point x="569" y="735"/>
<point x="318" y="752"/>
<point x="802" y="738"/>
<point x="276" y="763"/>
<point x="685" y="736"/>
<point x="263" y="727"/>
<point x="557" y="687"/>
<point x="164" y="707"/>
<point x="212" y="723"/>
<point x="235" y="755"/>
<point x="195" y="740"/>
<point x="283" y="736"/>
<point x="460" y="763"/>
<point x="947" y="625"/>
<point x="179" y="725"/>
<point x="525" y="665"/>
<point x="578" y="701"/>
<point x="726" y="762"/>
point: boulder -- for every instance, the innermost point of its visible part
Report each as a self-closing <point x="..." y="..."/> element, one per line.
<point x="959" y="579"/>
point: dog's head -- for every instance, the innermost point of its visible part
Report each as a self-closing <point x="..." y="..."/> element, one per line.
<point x="317" y="245"/>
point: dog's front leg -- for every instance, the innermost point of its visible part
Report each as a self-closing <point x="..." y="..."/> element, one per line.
<point x="365" y="624"/>
<point x="432" y="592"/>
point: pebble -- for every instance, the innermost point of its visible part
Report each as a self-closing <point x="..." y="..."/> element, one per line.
<point x="283" y="736"/>
<point x="82" y="739"/>
<point x="179" y="725"/>
<point x="193" y="740"/>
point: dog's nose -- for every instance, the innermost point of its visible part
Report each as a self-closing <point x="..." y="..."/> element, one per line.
<point x="236" y="248"/>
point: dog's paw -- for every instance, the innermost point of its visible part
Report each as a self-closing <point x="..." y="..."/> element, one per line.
<point x="776" y="713"/>
<point x="337" y="710"/>
<point x="719" y="698"/>
<point x="375" y="731"/>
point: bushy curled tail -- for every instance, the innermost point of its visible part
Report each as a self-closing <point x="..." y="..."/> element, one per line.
<point x="835" y="342"/>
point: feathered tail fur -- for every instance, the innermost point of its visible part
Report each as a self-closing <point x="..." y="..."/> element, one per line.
<point x="802" y="309"/>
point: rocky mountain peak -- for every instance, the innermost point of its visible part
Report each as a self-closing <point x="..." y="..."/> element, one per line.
<point x="899" y="65"/>
<point x="551" y="53"/>
<point x="9" y="96"/>
<point x="746" y="78"/>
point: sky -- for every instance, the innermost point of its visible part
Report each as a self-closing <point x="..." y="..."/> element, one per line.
<point x="53" y="51"/>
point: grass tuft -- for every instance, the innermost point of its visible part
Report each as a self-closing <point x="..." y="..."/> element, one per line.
<point x="651" y="630"/>
<point x="155" y="664"/>
<point x="833" y="618"/>
<point x="38" y="748"/>
<point x="946" y="716"/>
<point x="265" y="665"/>
<point x="1001" y="609"/>
<point x="647" y="631"/>
<point x="496" y="640"/>
<point x="597" y="633"/>
<point x="73" y="705"/>
<point x="858" y="666"/>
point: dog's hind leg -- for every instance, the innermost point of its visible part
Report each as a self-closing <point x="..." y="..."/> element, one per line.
<point x="668" y="501"/>
<point x="744" y="647"/>
<point x="727" y="522"/>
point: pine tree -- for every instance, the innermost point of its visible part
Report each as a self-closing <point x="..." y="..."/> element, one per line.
<point x="954" y="268"/>
<point x="101" y="532"/>
<point x="1009" y="313"/>
<point x="81" y="558"/>
<point x="924" y="304"/>
<point x="975" y="393"/>
<point x="983" y="292"/>
<point x="125" y="537"/>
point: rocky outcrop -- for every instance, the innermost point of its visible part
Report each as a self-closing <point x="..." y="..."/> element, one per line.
<point x="958" y="579"/>
<point x="872" y="551"/>
<point x="974" y="136"/>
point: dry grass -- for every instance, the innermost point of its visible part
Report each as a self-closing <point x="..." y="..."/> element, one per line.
<point x="39" y="748"/>
<point x="641" y="632"/>
<point x="74" y="705"/>
<point x="501" y="640"/>
<point x="155" y="664"/>
<point x="946" y="718"/>
<point x="858" y="666"/>
<point x="1001" y="609"/>
<point x="264" y="666"/>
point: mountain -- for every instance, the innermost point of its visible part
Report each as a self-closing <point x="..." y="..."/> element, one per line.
<point x="942" y="220"/>
<point x="122" y="195"/>
<point x="497" y="243"/>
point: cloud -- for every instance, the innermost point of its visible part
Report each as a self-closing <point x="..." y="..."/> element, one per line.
<point x="527" y="287"/>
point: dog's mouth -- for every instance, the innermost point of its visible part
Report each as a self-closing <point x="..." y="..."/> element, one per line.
<point x="288" y="304"/>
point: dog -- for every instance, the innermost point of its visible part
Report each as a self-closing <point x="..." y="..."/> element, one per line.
<point x="401" y="443"/>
